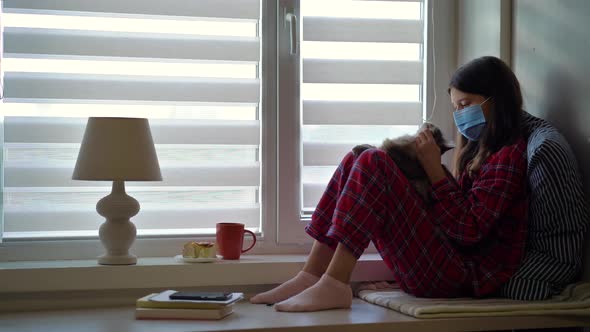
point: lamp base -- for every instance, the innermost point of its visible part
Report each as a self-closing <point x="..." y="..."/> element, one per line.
<point x="117" y="233"/>
<point x="107" y="259"/>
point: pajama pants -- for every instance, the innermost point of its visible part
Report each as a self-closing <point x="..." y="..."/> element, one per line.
<point x="369" y="199"/>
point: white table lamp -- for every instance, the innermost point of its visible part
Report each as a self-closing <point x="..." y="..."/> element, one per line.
<point x="118" y="150"/>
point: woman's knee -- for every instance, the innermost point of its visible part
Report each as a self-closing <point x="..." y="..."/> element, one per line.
<point x="347" y="162"/>
<point x="373" y="152"/>
<point x="348" y="157"/>
<point x="365" y="155"/>
<point x="374" y="157"/>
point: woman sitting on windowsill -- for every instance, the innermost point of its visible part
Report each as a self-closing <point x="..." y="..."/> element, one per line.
<point x="467" y="243"/>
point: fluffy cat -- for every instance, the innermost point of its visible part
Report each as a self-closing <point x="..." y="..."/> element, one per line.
<point x="403" y="151"/>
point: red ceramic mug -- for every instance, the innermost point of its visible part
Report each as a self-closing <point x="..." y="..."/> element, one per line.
<point x="230" y="239"/>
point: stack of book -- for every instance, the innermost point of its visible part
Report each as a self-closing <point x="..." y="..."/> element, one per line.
<point x="161" y="306"/>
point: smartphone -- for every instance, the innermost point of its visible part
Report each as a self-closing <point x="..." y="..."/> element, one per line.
<point x="201" y="296"/>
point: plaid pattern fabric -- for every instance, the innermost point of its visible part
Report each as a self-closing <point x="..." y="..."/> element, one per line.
<point x="369" y="199"/>
<point x="486" y="217"/>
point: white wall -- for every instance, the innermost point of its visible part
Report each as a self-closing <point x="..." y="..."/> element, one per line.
<point x="483" y="29"/>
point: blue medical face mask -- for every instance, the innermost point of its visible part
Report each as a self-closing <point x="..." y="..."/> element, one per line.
<point x="470" y="121"/>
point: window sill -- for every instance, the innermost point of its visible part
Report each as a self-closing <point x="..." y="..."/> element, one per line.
<point x="30" y="286"/>
<point x="164" y="272"/>
<point x="362" y="316"/>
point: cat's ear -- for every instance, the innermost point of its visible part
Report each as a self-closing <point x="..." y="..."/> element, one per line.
<point x="427" y="125"/>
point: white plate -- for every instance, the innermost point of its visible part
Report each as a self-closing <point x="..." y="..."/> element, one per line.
<point x="180" y="258"/>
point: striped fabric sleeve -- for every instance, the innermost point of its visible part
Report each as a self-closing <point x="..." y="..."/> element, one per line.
<point x="558" y="218"/>
<point x="467" y="216"/>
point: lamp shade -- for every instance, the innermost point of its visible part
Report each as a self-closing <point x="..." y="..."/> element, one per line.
<point x="117" y="149"/>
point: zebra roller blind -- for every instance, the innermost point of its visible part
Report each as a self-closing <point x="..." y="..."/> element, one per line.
<point x="190" y="66"/>
<point x="362" y="78"/>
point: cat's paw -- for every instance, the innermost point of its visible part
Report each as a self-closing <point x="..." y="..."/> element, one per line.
<point x="357" y="150"/>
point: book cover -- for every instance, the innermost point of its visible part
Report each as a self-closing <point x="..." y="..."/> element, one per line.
<point x="158" y="313"/>
<point x="163" y="301"/>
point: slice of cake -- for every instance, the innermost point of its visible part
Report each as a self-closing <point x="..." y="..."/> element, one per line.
<point x="199" y="250"/>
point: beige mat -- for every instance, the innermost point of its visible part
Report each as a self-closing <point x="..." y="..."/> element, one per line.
<point x="574" y="300"/>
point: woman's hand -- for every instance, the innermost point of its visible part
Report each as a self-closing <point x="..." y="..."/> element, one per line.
<point x="429" y="155"/>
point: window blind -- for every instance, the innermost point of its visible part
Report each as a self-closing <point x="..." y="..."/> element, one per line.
<point x="362" y="78"/>
<point x="190" y="66"/>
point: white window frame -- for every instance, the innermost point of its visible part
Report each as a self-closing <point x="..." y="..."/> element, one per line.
<point x="159" y="246"/>
<point x="291" y="227"/>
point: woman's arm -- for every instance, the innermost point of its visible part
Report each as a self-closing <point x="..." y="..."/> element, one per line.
<point x="435" y="173"/>
<point x="429" y="154"/>
<point x="467" y="217"/>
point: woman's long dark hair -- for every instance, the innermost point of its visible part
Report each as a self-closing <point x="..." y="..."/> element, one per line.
<point x="490" y="77"/>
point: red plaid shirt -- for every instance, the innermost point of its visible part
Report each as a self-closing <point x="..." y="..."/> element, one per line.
<point x="485" y="216"/>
